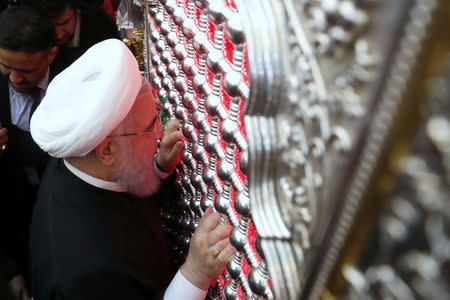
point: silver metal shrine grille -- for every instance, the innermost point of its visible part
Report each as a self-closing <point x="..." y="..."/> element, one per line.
<point x="287" y="108"/>
<point x="199" y="66"/>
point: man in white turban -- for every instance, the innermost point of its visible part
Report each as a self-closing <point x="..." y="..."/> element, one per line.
<point x="94" y="234"/>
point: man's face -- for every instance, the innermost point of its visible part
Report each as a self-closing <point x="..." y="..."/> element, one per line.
<point x="25" y="70"/>
<point x="65" y="25"/>
<point x="135" y="170"/>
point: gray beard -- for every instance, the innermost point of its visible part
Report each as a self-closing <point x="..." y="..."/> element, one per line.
<point x="137" y="175"/>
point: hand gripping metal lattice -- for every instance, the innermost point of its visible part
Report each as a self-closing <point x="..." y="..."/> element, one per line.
<point x="198" y="65"/>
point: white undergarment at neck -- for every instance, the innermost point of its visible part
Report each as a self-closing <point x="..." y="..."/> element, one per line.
<point x="100" y="183"/>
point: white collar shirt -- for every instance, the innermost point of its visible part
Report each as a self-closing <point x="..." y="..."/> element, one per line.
<point x="22" y="104"/>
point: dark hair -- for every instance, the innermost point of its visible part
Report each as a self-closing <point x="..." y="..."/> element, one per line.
<point x="54" y="8"/>
<point x="51" y="8"/>
<point x="23" y="29"/>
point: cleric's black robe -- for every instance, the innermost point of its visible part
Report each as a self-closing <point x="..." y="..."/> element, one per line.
<point x="91" y="243"/>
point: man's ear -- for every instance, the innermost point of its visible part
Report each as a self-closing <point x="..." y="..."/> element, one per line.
<point x="107" y="152"/>
<point x="51" y="56"/>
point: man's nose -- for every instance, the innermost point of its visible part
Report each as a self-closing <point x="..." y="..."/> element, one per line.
<point x="59" y="33"/>
<point x="15" y="77"/>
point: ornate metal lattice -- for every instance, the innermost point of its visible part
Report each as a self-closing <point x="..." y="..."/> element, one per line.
<point x="199" y="66"/>
<point x="283" y="106"/>
<point x="409" y="253"/>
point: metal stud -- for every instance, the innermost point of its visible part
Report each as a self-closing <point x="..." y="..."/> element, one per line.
<point x="215" y="9"/>
<point x="235" y="30"/>
<point x="180" y="84"/>
<point x="189" y="66"/>
<point x="213" y="60"/>
<point x="170" y="6"/>
<point x="164" y="29"/>
<point x="178" y="16"/>
<point x="159" y="18"/>
<point x="189" y="29"/>
<point x="180" y="52"/>
<point x="242" y="204"/>
<point x="231" y="83"/>
<point x="172" y="69"/>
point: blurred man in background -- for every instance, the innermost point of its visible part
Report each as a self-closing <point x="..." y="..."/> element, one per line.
<point x="78" y="25"/>
<point x="26" y="51"/>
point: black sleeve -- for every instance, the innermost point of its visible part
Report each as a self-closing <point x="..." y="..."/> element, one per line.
<point x="16" y="200"/>
<point x="169" y="193"/>
<point x="4" y="290"/>
<point x="25" y="149"/>
<point x="8" y="267"/>
<point x="110" y="285"/>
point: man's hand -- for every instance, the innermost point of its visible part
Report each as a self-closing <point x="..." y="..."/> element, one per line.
<point x="201" y="267"/>
<point x="18" y="288"/>
<point x="3" y="139"/>
<point x="172" y="146"/>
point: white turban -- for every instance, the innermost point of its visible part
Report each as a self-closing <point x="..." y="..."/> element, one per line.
<point x="86" y="101"/>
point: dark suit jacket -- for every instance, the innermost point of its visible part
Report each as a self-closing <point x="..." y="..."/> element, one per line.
<point x="91" y="243"/>
<point x="95" y="27"/>
<point x="17" y="194"/>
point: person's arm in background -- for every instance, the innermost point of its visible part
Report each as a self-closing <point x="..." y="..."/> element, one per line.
<point x="3" y="139"/>
<point x="10" y="272"/>
<point x="14" y="283"/>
